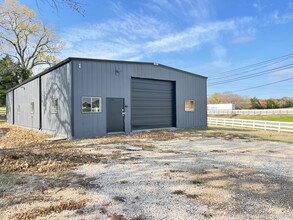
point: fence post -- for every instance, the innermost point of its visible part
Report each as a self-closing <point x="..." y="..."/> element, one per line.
<point x="279" y="129"/>
<point x="265" y="125"/>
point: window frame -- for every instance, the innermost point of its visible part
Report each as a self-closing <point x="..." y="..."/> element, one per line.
<point x="32" y="107"/>
<point x="91" y="98"/>
<point x="51" y="106"/>
<point x="189" y="110"/>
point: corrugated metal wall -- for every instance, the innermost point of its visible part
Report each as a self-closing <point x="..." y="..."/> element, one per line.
<point x="54" y="85"/>
<point x="113" y="79"/>
<point x="23" y="96"/>
<point x="57" y="85"/>
<point x="9" y="107"/>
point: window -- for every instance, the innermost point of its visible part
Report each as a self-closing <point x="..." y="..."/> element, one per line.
<point x="91" y="104"/>
<point x="189" y="105"/>
<point x="32" y="107"/>
<point x="54" y="106"/>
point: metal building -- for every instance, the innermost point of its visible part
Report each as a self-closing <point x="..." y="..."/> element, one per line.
<point x="80" y="98"/>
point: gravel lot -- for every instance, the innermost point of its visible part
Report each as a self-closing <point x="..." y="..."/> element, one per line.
<point x="180" y="175"/>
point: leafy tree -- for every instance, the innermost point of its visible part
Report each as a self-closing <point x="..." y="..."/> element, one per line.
<point x="271" y="104"/>
<point x="255" y="103"/>
<point x="216" y="98"/>
<point x="26" y="39"/>
<point x="10" y="74"/>
<point x="288" y="102"/>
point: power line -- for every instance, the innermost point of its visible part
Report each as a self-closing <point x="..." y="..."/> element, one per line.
<point x="247" y="71"/>
<point x="256" y="64"/>
<point x="264" y="85"/>
<point x="289" y="66"/>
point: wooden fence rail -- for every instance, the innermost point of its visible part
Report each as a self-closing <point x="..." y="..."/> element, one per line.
<point x="2" y="112"/>
<point x="256" y="124"/>
<point x="252" y="112"/>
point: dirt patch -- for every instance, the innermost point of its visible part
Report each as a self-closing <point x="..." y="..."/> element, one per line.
<point x="218" y="151"/>
<point x="45" y="161"/>
<point x="47" y="210"/>
<point x="228" y="187"/>
<point x="161" y="135"/>
<point x="16" y="136"/>
<point x="179" y="192"/>
<point x="119" y="198"/>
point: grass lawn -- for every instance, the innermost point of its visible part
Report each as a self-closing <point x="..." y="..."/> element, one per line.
<point x="284" y="118"/>
<point x="2" y="109"/>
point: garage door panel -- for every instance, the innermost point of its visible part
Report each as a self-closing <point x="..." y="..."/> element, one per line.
<point x="152" y="111"/>
<point x="162" y="103"/>
<point x="152" y="104"/>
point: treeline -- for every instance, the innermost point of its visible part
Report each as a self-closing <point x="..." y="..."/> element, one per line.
<point x="245" y="102"/>
<point x="11" y="74"/>
<point x="284" y="102"/>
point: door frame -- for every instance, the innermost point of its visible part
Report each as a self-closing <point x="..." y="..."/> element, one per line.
<point x="123" y="130"/>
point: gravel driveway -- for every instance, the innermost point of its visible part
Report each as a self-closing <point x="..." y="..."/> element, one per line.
<point x="184" y="176"/>
<point x="194" y="178"/>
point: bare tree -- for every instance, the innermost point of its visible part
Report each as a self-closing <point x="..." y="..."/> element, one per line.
<point x="25" y="38"/>
<point x="72" y="4"/>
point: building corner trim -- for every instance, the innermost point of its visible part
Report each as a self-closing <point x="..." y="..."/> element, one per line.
<point x="72" y="99"/>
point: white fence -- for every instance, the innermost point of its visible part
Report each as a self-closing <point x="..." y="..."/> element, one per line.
<point x="256" y="124"/>
<point x="2" y="113"/>
<point x="282" y="111"/>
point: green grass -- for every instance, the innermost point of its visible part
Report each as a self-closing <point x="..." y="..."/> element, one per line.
<point x="2" y="109"/>
<point x="284" y="118"/>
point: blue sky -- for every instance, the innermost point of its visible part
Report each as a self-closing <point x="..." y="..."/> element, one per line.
<point x="207" y="37"/>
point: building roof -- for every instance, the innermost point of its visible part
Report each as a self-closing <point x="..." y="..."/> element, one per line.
<point x="91" y="59"/>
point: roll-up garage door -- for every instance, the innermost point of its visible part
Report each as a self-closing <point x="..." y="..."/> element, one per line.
<point x="153" y="104"/>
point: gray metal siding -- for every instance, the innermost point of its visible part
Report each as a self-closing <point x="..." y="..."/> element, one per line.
<point x="109" y="79"/>
<point x="9" y="107"/>
<point x="57" y="85"/>
<point x="153" y="104"/>
<point x="23" y="96"/>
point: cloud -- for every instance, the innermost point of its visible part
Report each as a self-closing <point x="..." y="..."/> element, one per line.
<point x="219" y="51"/>
<point x="187" y="10"/>
<point x="135" y="35"/>
<point x="242" y="39"/>
<point x="278" y="18"/>
<point x="258" y="6"/>
<point x="283" y="72"/>
<point x="189" y="38"/>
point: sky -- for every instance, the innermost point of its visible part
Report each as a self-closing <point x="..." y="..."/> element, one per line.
<point x="207" y="37"/>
